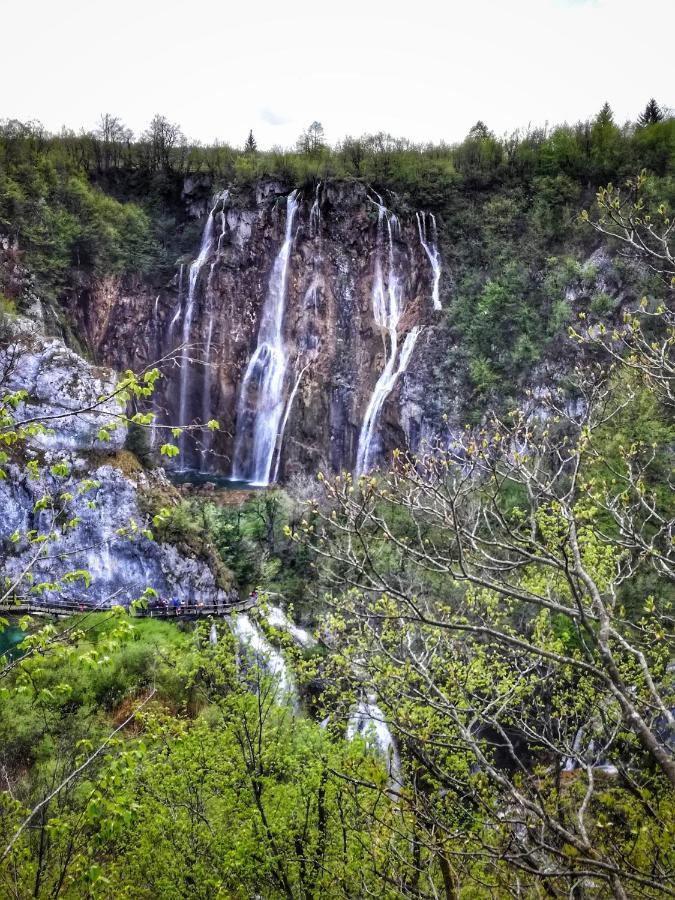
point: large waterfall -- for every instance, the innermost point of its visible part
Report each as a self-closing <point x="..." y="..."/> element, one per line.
<point x="261" y="400"/>
<point x="387" y="307"/>
<point x="195" y="269"/>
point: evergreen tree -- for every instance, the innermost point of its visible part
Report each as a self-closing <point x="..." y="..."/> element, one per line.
<point x="250" y="146"/>
<point x="651" y="115"/>
<point x="605" y="116"/>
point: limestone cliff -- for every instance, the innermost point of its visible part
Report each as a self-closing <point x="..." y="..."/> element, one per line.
<point x="349" y="251"/>
<point x="89" y="515"/>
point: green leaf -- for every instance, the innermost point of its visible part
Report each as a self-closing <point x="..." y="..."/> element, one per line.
<point x="169" y="450"/>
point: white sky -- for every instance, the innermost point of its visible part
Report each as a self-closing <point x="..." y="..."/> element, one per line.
<point x="423" y="69"/>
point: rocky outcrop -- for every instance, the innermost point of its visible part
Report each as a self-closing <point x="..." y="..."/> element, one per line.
<point x="64" y="510"/>
<point x="335" y="347"/>
<point x="111" y="540"/>
<point x="71" y="398"/>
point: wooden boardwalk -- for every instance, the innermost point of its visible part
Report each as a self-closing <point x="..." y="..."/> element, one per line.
<point x="63" y="609"/>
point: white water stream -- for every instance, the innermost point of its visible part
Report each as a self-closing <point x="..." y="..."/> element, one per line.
<point x="264" y="654"/>
<point x="261" y="402"/>
<point x="195" y="269"/>
<point x="387" y="307"/>
<point x="367" y="720"/>
<point x="430" y="246"/>
<point x="207" y="435"/>
<point x="278" y="619"/>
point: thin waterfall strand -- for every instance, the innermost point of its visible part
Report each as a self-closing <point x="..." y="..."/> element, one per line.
<point x="315" y="214"/>
<point x="284" y="421"/>
<point x="431" y="250"/>
<point x="195" y="268"/>
<point x="179" y="307"/>
<point x="207" y="436"/>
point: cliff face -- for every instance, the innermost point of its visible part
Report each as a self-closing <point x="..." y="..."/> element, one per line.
<point x="300" y="325"/>
<point x="91" y="515"/>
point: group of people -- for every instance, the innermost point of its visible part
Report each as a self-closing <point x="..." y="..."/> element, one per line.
<point x="177" y="607"/>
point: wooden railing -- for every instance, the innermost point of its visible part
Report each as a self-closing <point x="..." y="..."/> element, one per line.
<point x="67" y="608"/>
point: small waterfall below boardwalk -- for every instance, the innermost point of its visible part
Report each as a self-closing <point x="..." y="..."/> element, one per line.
<point x="367" y="720"/>
<point x="430" y="247"/>
<point x="278" y="619"/>
<point x="193" y="277"/>
<point x="387" y="307"/>
<point x="258" y="650"/>
<point x="261" y="400"/>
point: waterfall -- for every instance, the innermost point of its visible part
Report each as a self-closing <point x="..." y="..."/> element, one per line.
<point x="195" y="269"/>
<point x="287" y="413"/>
<point x="263" y="654"/>
<point x="207" y="435"/>
<point x="387" y="313"/>
<point x="261" y="403"/>
<point x="157" y="332"/>
<point x="571" y="762"/>
<point x="315" y="214"/>
<point x="431" y="250"/>
<point x="179" y="307"/>
<point x="206" y="394"/>
<point x="368" y="721"/>
<point x="278" y="619"/>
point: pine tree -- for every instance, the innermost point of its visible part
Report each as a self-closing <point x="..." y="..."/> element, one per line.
<point x="250" y="146"/>
<point x="605" y="116"/>
<point x="651" y="115"/>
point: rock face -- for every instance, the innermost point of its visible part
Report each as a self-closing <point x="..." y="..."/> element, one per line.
<point x="89" y="515"/>
<point x="346" y="249"/>
<point x="107" y="542"/>
<point x="59" y="383"/>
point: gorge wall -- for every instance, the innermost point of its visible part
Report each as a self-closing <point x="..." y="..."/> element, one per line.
<point x="303" y="324"/>
<point x="72" y="503"/>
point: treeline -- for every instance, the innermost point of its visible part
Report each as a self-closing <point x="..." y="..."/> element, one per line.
<point x="596" y="149"/>
<point x="105" y="200"/>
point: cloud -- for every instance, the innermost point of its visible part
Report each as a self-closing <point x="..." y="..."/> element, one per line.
<point x="273" y="118"/>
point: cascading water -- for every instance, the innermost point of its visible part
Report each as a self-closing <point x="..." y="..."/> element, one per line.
<point x="278" y="619"/>
<point x="387" y="304"/>
<point x="206" y="393"/>
<point x="179" y="307"/>
<point x="431" y="249"/>
<point x="284" y="421"/>
<point x="256" y="645"/>
<point x="368" y="721"/>
<point x="315" y="214"/>
<point x="195" y="269"/>
<point x="261" y="404"/>
<point x="207" y="436"/>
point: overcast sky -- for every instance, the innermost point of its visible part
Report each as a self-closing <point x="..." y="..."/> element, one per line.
<point x="423" y="69"/>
